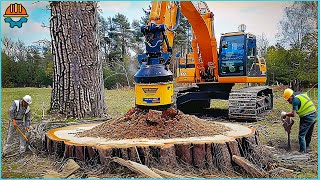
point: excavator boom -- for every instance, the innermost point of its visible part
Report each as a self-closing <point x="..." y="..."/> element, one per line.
<point x="214" y="76"/>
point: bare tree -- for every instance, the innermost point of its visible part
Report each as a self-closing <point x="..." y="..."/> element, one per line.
<point x="299" y="31"/>
<point x="16" y="50"/>
<point x="262" y="45"/>
<point x="120" y="65"/>
<point x="78" y="87"/>
<point x="7" y="46"/>
<point x="299" y="21"/>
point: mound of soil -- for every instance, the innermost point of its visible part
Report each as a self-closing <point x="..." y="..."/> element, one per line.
<point x="170" y="123"/>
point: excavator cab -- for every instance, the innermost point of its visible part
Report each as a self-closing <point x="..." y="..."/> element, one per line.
<point x="238" y="56"/>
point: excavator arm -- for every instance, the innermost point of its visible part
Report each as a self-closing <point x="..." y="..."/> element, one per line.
<point x="214" y="78"/>
<point x="168" y="14"/>
<point x="154" y="87"/>
<point x="204" y="44"/>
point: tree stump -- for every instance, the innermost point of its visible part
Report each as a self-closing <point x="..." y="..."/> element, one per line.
<point x="199" y="155"/>
<point x="168" y="155"/>
<point x="184" y="153"/>
<point x="222" y="157"/>
<point x="205" y="152"/>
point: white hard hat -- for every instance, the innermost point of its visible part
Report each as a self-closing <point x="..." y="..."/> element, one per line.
<point x="27" y="99"/>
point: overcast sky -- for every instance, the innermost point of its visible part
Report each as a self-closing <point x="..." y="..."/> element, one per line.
<point x="259" y="17"/>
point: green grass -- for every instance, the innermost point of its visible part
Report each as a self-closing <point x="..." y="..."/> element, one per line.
<point x="273" y="134"/>
<point x="118" y="103"/>
<point x="6" y="173"/>
<point x="39" y="96"/>
<point x="218" y="104"/>
<point x="279" y="105"/>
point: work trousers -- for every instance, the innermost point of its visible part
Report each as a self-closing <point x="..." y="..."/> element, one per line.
<point x="12" y="132"/>
<point x="305" y="130"/>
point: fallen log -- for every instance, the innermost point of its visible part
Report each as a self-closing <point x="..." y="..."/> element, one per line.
<point x="249" y="167"/>
<point x="67" y="171"/>
<point x="52" y="174"/>
<point x="72" y="177"/>
<point x="136" y="167"/>
<point x="166" y="174"/>
<point x="69" y="168"/>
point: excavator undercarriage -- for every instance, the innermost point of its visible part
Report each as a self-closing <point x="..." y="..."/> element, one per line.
<point x="246" y="103"/>
<point x="249" y="103"/>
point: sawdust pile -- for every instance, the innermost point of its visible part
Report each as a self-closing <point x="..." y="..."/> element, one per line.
<point x="170" y="123"/>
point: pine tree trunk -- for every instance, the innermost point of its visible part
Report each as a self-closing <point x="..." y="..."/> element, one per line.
<point x="78" y="89"/>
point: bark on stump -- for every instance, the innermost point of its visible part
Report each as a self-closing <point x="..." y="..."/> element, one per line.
<point x="213" y="153"/>
<point x="168" y="156"/>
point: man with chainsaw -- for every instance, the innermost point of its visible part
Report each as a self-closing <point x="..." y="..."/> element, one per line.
<point x="304" y="107"/>
<point x="20" y="120"/>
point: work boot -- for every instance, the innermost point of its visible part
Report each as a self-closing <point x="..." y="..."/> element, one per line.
<point x="302" y="152"/>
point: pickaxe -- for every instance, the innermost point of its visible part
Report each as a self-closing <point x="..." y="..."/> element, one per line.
<point x="27" y="142"/>
<point x="25" y="137"/>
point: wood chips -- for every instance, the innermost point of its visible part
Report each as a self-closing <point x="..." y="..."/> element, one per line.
<point x="154" y="124"/>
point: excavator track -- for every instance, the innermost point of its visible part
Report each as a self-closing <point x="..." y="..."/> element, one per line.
<point x="248" y="103"/>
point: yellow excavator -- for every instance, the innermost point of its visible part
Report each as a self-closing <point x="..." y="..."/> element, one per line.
<point x="212" y="71"/>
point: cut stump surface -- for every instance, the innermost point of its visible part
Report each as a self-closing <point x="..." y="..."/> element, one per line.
<point x="211" y="152"/>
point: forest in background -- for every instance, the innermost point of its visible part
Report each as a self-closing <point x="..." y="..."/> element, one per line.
<point x="292" y="61"/>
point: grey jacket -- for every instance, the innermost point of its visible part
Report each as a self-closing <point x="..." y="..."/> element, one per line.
<point x="18" y="115"/>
